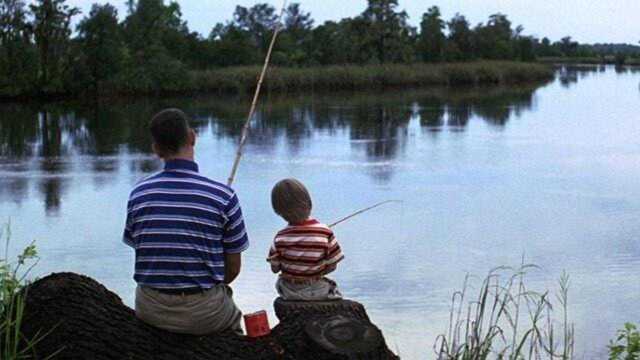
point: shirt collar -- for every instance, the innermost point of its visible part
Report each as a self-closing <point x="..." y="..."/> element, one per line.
<point x="307" y="222"/>
<point x="180" y="164"/>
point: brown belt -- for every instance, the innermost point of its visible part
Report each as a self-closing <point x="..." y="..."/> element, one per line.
<point x="183" y="291"/>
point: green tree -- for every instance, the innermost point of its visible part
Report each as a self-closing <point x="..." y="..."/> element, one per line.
<point x="525" y="48"/>
<point x="295" y="40"/>
<point x="232" y="46"/>
<point x="330" y="43"/>
<point x="391" y="36"/>
<point x="259" y="21"/>
<point x="494" y="40"/>
<point x="460" y="45"/>
<point x="150" y="30"/>
<point x="567" y="46"/>
<point x="100" y="38"/>
<point x="431" y="41"/>
<point x="51" y="27"/>
<point x="18" y="58"/>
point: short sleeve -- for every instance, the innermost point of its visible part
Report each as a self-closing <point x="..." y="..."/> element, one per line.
<point x="234" y="239"/>
<point x="334" y="252"/>
<point x="274" y="255"/>
<point x="127" y="236"/>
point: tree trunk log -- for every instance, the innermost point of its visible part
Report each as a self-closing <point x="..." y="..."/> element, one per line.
<point x="75" y="317"/>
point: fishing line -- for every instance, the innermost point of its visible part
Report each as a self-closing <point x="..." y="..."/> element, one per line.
<point x="364" y="210"/>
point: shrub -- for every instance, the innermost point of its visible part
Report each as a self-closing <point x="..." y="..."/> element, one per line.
<point x="13" y="292"/>
<point x="627" y="344"/>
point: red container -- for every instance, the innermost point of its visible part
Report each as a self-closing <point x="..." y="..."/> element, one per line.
<point x="257" y="324"/>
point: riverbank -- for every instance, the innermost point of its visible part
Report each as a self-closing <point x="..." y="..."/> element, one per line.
<point x="351" y="77"/>
<point x="242" y="80"/>
<point x="607" y="60"/>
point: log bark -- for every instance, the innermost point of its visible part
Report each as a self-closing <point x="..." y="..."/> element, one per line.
<point x="81" y="319"/>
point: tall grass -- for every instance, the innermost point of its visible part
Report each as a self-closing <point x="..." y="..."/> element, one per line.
<point x="507" y="320"/>
<point x="354" y="77"/>
<point x="13" y="292"/>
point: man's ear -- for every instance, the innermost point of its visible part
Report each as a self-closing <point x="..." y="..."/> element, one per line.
<point x="192" y="137"/>
<point x="156" y="150"/>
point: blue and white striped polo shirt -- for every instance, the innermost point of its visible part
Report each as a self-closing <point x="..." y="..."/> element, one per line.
<point x="181" y="224"/>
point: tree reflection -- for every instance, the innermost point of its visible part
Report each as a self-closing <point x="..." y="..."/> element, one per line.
<point x="50" y="141"/>
<point x="432" y="113"/>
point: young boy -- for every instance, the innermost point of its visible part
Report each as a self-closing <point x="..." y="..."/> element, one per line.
<point x="304" y="251"/>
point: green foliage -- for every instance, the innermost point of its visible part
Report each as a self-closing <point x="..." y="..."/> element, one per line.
<point x="387" y="32"/>
<point x="154" y="32"/>
<point x="153" y="50"/>
<point x="18" y="57"/>
<point x="626" y="345"/>
<point x="460" y="41"/>
<point x="13" y="345"/>
<point x="242" y="79"/>
<point x="507" y="320"/>
<point x="51" y="29"/>
<point x="100" y="37"/>
<point x="431" y="42"/>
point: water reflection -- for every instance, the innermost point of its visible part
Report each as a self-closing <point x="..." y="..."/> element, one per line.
<point x="49" y="144"/>
<point x="570" y="74"/>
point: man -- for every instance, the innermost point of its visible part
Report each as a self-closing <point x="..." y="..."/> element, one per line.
<point x="188" y="234"/>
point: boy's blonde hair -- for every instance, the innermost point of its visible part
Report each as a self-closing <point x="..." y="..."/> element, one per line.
<point x="291" y="200"/>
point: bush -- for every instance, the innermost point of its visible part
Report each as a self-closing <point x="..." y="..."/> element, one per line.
<point x="13" y="293"/>
<point x="627" y="344"/>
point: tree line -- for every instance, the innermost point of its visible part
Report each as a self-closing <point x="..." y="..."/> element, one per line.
<point x="153" y="48"/>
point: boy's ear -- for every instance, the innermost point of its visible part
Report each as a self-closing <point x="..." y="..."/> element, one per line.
<point x="192" y="137"/>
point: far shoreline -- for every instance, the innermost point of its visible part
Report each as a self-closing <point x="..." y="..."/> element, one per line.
<point x="242" y="80"/>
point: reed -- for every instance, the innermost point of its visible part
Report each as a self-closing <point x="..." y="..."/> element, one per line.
<point x="13" y="293"/>
<point x="353" y="77"/>
<point x="507" y="320"/>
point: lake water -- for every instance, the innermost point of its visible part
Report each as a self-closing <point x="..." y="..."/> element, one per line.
<point x="487" y="176"/>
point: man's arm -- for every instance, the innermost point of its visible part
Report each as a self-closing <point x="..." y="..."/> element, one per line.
<point x="235" y="240"/>
<point x="232" y="265"/>
<point x="127" y="236"/>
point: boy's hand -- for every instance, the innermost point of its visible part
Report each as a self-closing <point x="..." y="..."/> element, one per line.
<point x="275" y="268"/>
<point x="329" y="269"/>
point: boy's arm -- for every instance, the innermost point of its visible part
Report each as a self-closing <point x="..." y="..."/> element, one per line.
<point x="333" y="255"/>
<point x="329" y="269"/>
<point x="274" y="259"/>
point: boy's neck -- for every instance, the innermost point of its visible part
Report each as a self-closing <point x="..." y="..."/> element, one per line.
<point x="309" y="221"/>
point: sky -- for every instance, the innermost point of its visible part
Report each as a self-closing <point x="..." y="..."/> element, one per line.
<point x="587" y="21"/>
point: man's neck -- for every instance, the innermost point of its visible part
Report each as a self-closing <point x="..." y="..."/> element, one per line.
<point x="185" y="155"/>
<point x="172" y="158"/>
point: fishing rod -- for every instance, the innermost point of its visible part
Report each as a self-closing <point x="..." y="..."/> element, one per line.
<point x="252" y="109"/>
<point x="256" y="96"/>
<point x="363" y="211"/>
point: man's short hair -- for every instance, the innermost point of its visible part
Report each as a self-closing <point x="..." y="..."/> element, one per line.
<point x="291" y="200"/>
<point x="170" y="130"/>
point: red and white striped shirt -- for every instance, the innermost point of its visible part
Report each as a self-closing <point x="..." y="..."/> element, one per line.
<point x="305" y="251"/>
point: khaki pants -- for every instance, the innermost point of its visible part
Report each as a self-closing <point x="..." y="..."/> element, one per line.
<point x="320" y="290"/>
<point x="199" y="314"/>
